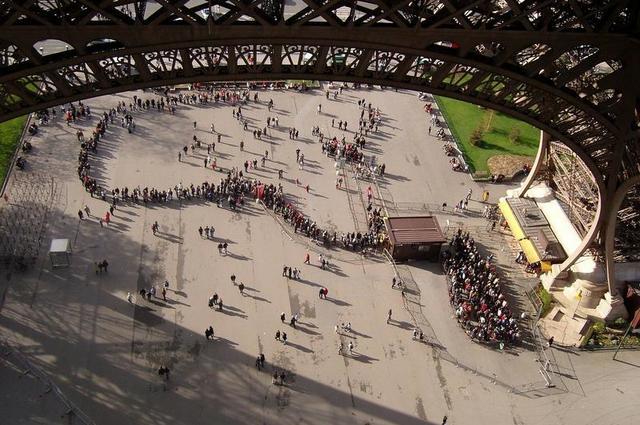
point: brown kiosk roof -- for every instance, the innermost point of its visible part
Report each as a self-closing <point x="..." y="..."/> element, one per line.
<point x="414" y="230"/>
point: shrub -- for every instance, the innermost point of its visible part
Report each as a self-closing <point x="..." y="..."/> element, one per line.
<point x="514" y="135"/>
<point x="620" y="323"/>
<point x="598" y="327"/>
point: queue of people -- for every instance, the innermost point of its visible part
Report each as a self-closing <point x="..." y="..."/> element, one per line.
<point x="230" y="191"/>
<point x="475" y="293"/>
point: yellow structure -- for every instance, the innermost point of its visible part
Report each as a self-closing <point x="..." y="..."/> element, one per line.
<point x="529" y="249"/>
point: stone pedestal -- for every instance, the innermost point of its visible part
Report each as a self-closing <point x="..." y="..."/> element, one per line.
<point x="554" y="279"/>
<point x="584" y="293"/>
<point x="612" y="308"/>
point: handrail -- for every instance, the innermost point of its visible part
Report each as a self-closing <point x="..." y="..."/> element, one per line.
<point x="71" y="408"/>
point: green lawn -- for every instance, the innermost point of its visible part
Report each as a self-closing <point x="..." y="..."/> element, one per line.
<point x="464" y="117"/>
<point x="10" y="132"/>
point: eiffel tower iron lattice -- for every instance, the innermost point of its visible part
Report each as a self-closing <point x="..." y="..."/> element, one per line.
<point x="568" y="67"/>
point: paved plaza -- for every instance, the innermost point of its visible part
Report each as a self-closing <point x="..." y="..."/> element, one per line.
<point x="103" y="351"/>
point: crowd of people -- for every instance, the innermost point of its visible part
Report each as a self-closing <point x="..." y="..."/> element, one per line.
<point x="230" y="191"/>
<point x="475" y="293"/>
<point x="273" y="198"/>
<point x="474" y="287"/>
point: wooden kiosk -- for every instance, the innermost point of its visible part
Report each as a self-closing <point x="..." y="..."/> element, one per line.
<point x="416" y="238"/>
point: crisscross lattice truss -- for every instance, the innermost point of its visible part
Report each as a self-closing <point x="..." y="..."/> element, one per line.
<point x="627" y="236"/>
<point x="569" y="67"/>
<point x="573" y="185"/>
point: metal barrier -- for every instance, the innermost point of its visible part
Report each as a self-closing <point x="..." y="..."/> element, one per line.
<point x="546" y="369"/>
<point x="412" y="303"/>
<point x="73" y="412"/>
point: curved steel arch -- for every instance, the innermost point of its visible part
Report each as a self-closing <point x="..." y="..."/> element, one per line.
<point x="569" y="68"/>
<point x="576" y="82"/>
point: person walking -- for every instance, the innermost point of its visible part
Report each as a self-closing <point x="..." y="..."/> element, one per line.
<point x="208" y="333"/>
<point x="164" y="293"/>
<point x="292" y="322"/>
<point x="389" y="316"/>
<point x="129" y="297"/>
<point x="241" y="288"/>
<point x="284" y="338"/>
<point x="164" y="372"/>
<point x="87" y="210"/>
<point x="80" y="215"/>
<point x="351" y="348"/>
<point x="307" y="258"/>
<point x="341" y="348"/>
<point x="278" y="335"/>
<point x="282" y="317"/>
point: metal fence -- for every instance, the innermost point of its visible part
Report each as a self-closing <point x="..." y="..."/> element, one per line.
<point x="73" y="413"/>
<point x="28" y="202"/>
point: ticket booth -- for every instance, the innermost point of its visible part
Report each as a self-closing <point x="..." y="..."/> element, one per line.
<point x="415" y="238"/>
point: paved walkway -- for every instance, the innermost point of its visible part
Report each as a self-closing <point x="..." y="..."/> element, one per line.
<point x="104" y="352"/>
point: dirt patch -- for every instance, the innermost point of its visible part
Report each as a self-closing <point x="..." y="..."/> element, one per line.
<point x="508" y="164"/>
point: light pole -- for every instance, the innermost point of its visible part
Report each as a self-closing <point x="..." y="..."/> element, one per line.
<point x="632" y="324"/>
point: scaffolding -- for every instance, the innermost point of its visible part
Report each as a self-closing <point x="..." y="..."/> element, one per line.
<point x="577" y="192"/>
<point x="573" y="184"/>
<point x="23" y="215"/>
<point x="627" y="236"/>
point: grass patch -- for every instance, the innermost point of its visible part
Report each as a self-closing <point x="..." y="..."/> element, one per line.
<point x="546" y="299"/>
<point x="10" y="132"/>
<point x="498" y="132"/>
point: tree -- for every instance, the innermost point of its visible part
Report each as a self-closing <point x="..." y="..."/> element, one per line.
<point x="476" y="135"/>
<point x="514" y="135"/>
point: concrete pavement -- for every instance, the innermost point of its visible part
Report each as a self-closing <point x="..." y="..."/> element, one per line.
<point x="104" y="352"/>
